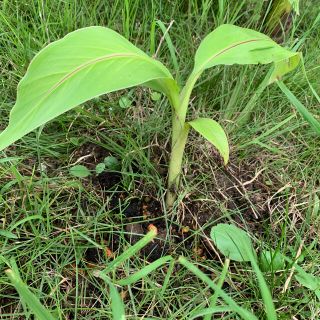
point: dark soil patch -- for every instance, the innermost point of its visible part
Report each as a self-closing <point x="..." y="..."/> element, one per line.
<point x="239" y="189"/>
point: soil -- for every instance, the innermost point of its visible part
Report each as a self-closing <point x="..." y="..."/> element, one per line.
<point x="239" y="189"/>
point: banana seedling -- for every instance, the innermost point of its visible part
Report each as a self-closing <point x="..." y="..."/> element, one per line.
<point x="93" y="61"/>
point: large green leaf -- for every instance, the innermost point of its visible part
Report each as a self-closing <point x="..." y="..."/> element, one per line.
<point x="84" y="64"/>
<point x="229" y="44"/>
<point x="213" y="132"/>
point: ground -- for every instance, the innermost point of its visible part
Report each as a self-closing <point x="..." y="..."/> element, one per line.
<point x="65" y="228"/>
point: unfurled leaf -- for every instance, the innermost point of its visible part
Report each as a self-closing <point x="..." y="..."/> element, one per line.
<point x="213" y="132"/>
<point x="125" y="102"/>
<point x="232" y="242"/>
<point x="80" y="171"/>
<point x="229" y="44"/>
<point x="84" y="64"/>
<point x="155" y="96"/>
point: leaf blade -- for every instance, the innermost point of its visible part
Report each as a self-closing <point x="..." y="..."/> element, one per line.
<point x="80" y="171"/>
<point x="284" y="66"/>
<point x="229" y="44"/>
<point x="117" y="305"/>
<point x="143" y="272"/>
<point x="305" y="113"/>
<point x="28" y="297"/>
<point x="214" y="133"/>
<point x="234" y="243"/>
<point x="84" y="64"/>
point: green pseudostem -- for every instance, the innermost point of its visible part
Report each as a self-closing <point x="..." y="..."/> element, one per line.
<point x="180" y="130"/>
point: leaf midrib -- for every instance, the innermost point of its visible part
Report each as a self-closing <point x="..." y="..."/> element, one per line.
<point x="78" y="69"/>
<point x="202" y="67"/>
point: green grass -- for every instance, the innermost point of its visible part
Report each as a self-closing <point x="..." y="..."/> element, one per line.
<point x="55" y="218"/>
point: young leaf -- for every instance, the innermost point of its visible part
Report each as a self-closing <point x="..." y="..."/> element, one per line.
<point x="79" y="171"/>
<point x="84" y="64"/>
<point x="229" y="44"/>
<point x="233" y="242"/>
<point x="125" y="102"/>
<point x="111" y="162"/>
<point x="213" y="132"/>
<point x="236" y="244"/>
<point x="100" y="167"/>
<point x="155" y="96"/>
<point x="117" y="306"/>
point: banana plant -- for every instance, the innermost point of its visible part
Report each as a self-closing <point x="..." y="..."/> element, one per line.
<point x="96" y="60"/>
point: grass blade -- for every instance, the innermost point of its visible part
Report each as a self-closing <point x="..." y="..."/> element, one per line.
<point x="171" y="48"/>
<point x="265" y="292"/>
<point x="144" y="271"/>
<point x="132" y="250"/>
<point x="117" y="306"/>
<point x="28" y="297"/>
<point x="214" y="298"/>
<point x="300" y="107"/>
<point x="167" y="278"/>
<point x="245" y="314"/>
<point x="208" y="312"/>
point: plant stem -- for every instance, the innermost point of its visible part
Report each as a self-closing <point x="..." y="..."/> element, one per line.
<point x="179" y="139"/>
<point x="180" y="130"/>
